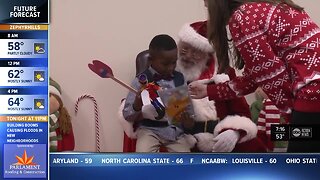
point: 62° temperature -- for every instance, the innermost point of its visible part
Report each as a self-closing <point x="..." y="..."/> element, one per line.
<point x="14" y="73"/>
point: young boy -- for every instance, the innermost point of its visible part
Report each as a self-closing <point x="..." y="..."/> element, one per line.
<point x="152" y="133"/>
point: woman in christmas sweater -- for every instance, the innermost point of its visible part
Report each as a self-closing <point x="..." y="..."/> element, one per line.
<point x="279" y="47"/>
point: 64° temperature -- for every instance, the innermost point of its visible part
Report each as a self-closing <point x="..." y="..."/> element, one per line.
<point x="14" y="101"/>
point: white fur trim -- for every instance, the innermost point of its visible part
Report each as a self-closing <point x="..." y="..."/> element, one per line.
<point x="189" y="35"/>
<point x="54" y="90"/>
<point x="204" y="109"/>
<point x="126" y="125"/>
<point x="220" y="78"/>
<point x="237" y="122"/>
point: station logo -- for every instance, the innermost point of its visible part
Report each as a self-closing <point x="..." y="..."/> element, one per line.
<point x="296" y="132"/>
<point x="302" y="132"/>
<point x="25" y="161"/>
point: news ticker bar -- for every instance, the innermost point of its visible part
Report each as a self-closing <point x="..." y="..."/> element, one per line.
<point x="184" y="166"/>
<point x="286" y="132"/>
<point x="101" y="159"/>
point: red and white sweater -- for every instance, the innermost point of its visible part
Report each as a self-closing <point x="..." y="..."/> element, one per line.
<point x="281" y="50"/>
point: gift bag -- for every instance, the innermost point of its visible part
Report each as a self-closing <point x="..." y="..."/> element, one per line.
<point x="178" y="106"/>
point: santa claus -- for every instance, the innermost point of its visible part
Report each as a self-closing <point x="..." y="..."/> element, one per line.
<point x="222" y="126"/>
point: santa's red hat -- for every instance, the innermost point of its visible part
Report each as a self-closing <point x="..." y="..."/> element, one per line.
<point x="195" y="34"/>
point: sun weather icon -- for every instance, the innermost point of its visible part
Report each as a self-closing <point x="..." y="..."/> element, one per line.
<point x="38" y="104"/>
<point x="39" y="48"/>
<point x="39" y="76"/>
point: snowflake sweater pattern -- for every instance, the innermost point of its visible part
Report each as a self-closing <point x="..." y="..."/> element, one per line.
<point x="281" y="49"/>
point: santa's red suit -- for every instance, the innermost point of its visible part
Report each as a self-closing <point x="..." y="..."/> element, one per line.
<point x="232" y="114"/>
<point x="220" y="115"/>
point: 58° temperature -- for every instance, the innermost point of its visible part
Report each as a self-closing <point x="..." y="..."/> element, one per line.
<point x="15" y="45"/>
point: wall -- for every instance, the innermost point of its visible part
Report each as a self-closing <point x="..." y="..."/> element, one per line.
<point x="311" y="8"/>
<point x="114" y="32"/>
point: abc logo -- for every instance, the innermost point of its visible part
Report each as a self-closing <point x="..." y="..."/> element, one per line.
<point x="296" y="132"/>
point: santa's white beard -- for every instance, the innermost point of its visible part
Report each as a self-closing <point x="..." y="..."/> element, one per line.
<point x="191" y="73"/>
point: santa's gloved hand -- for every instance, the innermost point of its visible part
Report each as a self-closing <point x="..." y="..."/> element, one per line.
<point x="191" y="140"/>
<point x="205" y="141"/>
<point x="226" y="141"/>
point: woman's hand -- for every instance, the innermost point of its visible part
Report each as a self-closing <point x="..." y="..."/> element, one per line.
<point x="197" y="90"/>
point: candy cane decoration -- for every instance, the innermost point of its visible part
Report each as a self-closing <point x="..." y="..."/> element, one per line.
<point x="96" y="117"/>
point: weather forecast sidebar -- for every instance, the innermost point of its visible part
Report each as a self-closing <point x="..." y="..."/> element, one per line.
<point x="24" y="89"/>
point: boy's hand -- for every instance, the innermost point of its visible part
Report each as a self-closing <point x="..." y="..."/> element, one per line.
<point x="137" y="104"/>
<point x="187" y="120"/>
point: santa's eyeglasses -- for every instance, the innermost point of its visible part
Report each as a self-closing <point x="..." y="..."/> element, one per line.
<point x="191" y="52"/>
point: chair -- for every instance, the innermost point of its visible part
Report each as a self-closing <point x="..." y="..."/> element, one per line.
<point x="142" y="61"/>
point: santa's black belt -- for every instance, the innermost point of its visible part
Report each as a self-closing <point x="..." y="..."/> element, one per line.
<point x="152" y="123"/>
<point x="200" y="127"/>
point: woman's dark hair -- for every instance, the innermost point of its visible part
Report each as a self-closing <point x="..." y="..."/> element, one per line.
<point x="220" y="12"/>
